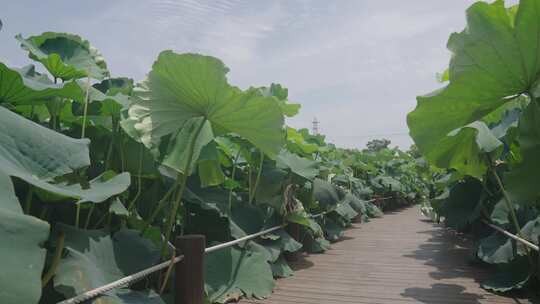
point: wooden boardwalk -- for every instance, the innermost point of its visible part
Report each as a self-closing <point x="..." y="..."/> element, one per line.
<point x="400" y="258"/>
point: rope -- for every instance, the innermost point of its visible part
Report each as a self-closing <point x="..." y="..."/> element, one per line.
<point x="123" y="282"/>
<point x="242" y="239"/>
<point x="128" y="280"/>
<point x="512" y="236"/>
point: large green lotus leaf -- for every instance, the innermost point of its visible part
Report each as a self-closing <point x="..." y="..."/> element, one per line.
<point x="298" y="144"/>
<point x="25" y="86"/>
<point x="345" y="179"/>
<point x="300" y="166"/>
<point x="245" y="220"/>
<point x="271" y="253"/>
<point x="500" y="213"/>
<point x="22" y="254"/>
<point x="357" y="204"/>
<point x="316" y="244"/>
<point x="94" y="258"/>
<point x="509" y="276"/>
<point x="327" y="194"/>
<point x="286" y="242"/>
<point x="281" y="94"/>
<point x="280" y="268"/>
<point x="65" y="56"/>
<point x="530" y="231"/>
<point x="386" y="183"/>
<point x="304" y="219"/>
<point x="187" y="87"/>
<point x="229" y="148"/>
<point x="202" y="215"/>
<point x="496" y="248"/>
<point x="493" y="59"/>
<point x="232" y="273"/>
<point x="127" y="296"/>
<point x="213" y="198"/>
<point x="176" y="156"/>
<point x="332" y="230"/>
<point x="463" y="148"/>
<point x="361" y="190"/>
<point x="146" y="167"/>
<point x="462" y="205"/>
<point x="111" y="105"/>
<point x="36" y="154"/>
<point x="521" y="181"/>
<point x="345" y="210"/>
<point x="100" y="189"/>
<point x="209" y="166"/>
<point x="272" y="181"/>
<point x="506" y="117"/>
<point x="373" y="211"/>
<point x="276" y="243"/>
<point x="113" y="86"/>
<point x="118" y="208"/>
<point x="100" y="104"/>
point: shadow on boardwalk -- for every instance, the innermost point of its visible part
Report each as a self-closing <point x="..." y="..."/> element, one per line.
<point x="398" y="258"/>
<point x="452" y="256"/>
<point x="446" y="291"/>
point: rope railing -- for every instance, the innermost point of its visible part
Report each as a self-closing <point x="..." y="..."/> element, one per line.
<point x="130" y="279"/>
<point x="123" y="282"/>
<point x="512" y="236"/>
<point x="243" y="239"/>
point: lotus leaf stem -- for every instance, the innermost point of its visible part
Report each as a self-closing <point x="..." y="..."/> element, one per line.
<point x="252" y="193"/>
<point x="77" y="215"/>
<point x="85" y="107"/>
<point x="139" y="180"/>
<point x="182" y="178"/>
<point x="28" y="200"/>
<point x="235" y="162"/>
<point x="56" y="260"/>
<point x="160" y="205"/>
<point x="89" y="216"/>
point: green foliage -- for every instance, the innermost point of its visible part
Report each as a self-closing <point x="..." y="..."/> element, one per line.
<point x="94" y="258"/>
<point x="483" y="129"/>
<point x="24" y="257"/>
<point x="376" y="145"/>
<point x="232" y="273"/>
<point x="176" y="97"/>
<point x="520" y="179"/>
<point x="65" y="56"/>
<point x="26" y="86"/>
<point x="494" y="60"/>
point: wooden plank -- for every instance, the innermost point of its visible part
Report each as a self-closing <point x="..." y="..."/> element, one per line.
<point x="400" y="258"/>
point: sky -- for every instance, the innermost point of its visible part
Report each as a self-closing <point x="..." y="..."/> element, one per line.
<point x="357" y="65"/>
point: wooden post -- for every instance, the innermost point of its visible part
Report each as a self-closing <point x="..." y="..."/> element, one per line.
<point x="189" y="284"/>
<point x="294" y="230"/>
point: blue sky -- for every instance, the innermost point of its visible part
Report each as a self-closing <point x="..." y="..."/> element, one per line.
<point x="355" y="65"/>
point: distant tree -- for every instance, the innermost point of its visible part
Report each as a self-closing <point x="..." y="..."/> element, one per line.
<point x="376" y="145"/>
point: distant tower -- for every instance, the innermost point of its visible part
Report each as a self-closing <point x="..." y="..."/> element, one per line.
<point x="315" y="129"/>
